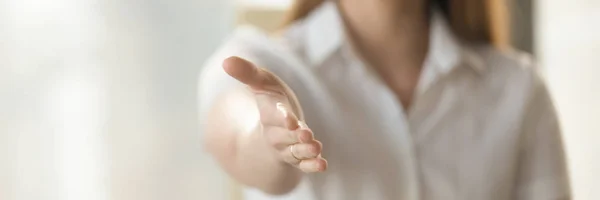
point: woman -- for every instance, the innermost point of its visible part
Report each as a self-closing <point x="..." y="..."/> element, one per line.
<point x="406" y="99"/>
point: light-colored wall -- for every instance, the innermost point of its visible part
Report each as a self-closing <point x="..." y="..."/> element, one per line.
<point x="568" y="46"/>
<point x="152" y="127"/>
<point x="521" y="14"/>
<point x="98" y="99"/>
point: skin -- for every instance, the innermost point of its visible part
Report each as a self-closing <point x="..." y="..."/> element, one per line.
<point x="256" y="148"/>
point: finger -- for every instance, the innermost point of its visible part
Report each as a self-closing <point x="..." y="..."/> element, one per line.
<point x="313" y="165"/>
<point x="247" y="73"/>
<point x="304" y="133"/>
<point x="304" y="151"/>
<point x="280" y="138"/>
<point x="289" y="118"/>
<point x="241" y="69"/>
<point x="288" y="156"/>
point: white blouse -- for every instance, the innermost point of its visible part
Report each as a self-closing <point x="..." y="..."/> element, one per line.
<point x="481" y="127"/>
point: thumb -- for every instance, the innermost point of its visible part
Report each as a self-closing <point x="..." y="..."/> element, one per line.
<point x="247" y="73"/>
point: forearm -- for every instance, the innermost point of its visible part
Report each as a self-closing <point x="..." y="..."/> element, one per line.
<point x="234" y="137"/>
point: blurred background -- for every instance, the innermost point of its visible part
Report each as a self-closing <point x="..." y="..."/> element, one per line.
<point x="98" y="97"/>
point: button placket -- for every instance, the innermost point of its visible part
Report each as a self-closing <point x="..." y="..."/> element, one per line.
<point x="395" y="121"/>
<point x="398" y="127"/>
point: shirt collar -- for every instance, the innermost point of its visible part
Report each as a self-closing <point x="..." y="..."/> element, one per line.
<point x="325" y="35"/>
<point x="325" y="32"/>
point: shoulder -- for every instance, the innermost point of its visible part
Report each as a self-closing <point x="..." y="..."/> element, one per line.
<point x="510" y="61"/>
<point x="510" y="76"/>
<point x="258" y="47"/>
<point x="509" y="67"/>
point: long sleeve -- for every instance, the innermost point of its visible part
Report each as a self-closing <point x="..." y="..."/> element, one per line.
<point x="542" y="171"/>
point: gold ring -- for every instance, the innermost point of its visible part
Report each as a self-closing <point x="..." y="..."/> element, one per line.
<point x="292" y="152"/>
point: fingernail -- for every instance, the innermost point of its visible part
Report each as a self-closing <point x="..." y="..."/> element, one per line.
<point x="302" y="125"/>
<point x="318" y="167"/>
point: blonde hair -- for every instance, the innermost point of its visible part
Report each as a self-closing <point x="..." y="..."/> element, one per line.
<point x="474" y="21"/>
